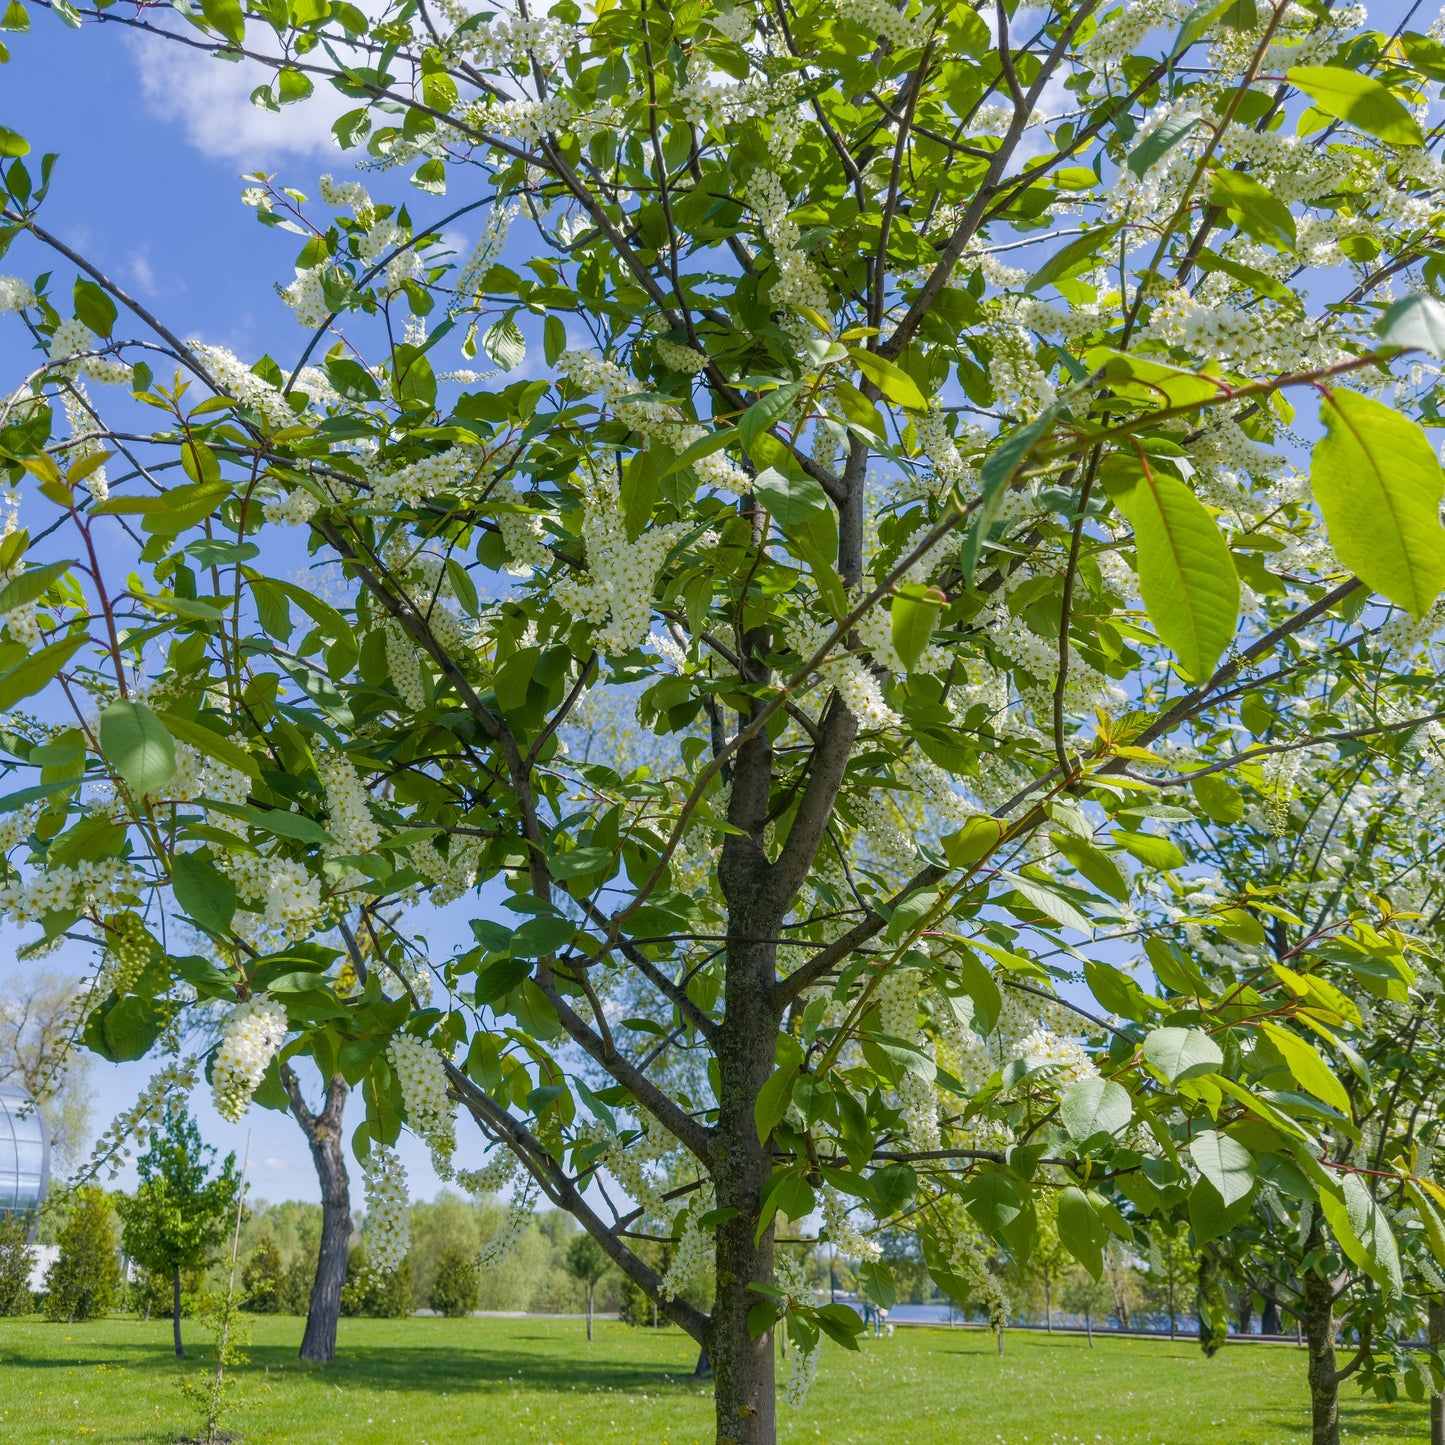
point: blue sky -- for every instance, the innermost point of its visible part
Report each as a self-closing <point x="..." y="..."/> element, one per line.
<point x="153" y="142"/>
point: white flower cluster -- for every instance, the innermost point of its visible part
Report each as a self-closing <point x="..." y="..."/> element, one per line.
<point x="291" y="509"/>
<point x="422" y="1074"/>
<point x="131" y="1129"/>
<point x="738" y="23"/>
<point x="306" y="297"/>
<point x="448" y="471"/>
<point x="1045" y="1049"/>
<point x="897" y="996"/>
<point x="904" y="28"/>
<point x="621" y="572"/>
<point x="510" y="42"/>
<point x="88" y="886"/>
<point x="843" y="1235"/>
<point x="252" y="1036"/>
<point x="679" y="358"/>
<point x="695" y="1257"/>
<point x="802" y="1364"/>
<point x="652" y="418"/>
<point x="487" y="253"/>
<point x="243" y="385"/>
<point x="291" y="898"/>
<point x="522" y="532"/>
<point x="513" y="1227"/>
<point x="73" y="350"/>
<point x="347" y="808"/>
<point x="493" y="1176"/>
<point x="15" y="294"/>
<point x="403" y="664"/>
<point x="797" y="284"/>
<point x="856" y="685"/>
<point x="388" y="1225"/>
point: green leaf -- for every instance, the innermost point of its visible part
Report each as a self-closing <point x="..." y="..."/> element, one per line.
<point x="210" y="743"/>
<point x="1310" y="1071"/>
<point x="30" y="584"/>
<point x="1225" y="1163"/>
<point x="1049" y="903"/>
<point x="1414" y="323"/>
<point x="995" y="476"/>
<point x="294" y="85"/>
<point x="204" y="892"/>
<point x="893" y="1187"/>
<point x="1178" y="1054"/>
<point x="1359" y="99"/>
<point x="35" y="671"/>
<point x="1256" y="211"/>
<point x="504" y="343"/>
<point x="876" y="1279"/>
<point x="12" y="143"/>
<point x="1360" y="1226"/>
<point x="914" y="612"/>
<point x="1080" y="1229"/>
<point x="1074" y="257"/>
<point x="1097" y="867"/>
<point x="1093" y="1107"/>
<point x="554" y="339"/>
<point x="130" y="1027"/>
<point x="1150" y="849"/>
<point x="94" y="307"/>
<point x="1378" y="483"/>
<point x="892" y="381"/>
<point x="1116" y="990"/>
<point x="134" y="741"/>
<point x="1186" y="576"/>
<point x="279" y="821"/>
<point x="1220" y="801"/>
<point x="772" y="1101"/>
<point x="226" y="16"/>
<point x="1162" y="139"/>
<point x="766" y="412"/>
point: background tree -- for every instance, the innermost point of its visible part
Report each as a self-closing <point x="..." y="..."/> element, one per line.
<point x="84" y="1282"/>
<point x="17" y="1260"/>
<point x="587" y="1264"/>
<point x="38" y="1017"/>
<point x="926" y="566"/>
<point x="180" y="1210"/>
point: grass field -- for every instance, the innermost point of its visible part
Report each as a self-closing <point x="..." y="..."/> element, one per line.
<point x="538" y="1382"/>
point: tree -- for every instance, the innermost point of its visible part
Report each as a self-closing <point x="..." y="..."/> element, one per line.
<point x="179" y="1211"/>
<point x="323" y="1136"/>
<point x="38" y="1014"/>
<point x="930" y="585"/>
<point x="17" y="1260"/>
<point x="263" y="1278"/>
<point x="85" y="1279"/>
<point x="587" y="1264"/>
<point x="367" y="1291"/>
<point x="454" y="1290"/>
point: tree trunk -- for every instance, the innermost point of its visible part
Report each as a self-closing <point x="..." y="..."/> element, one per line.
<point x="176" y="1310"/>
<point x="1435" y="1335"/>
<point x="1089" y="1327"/>
<point x="1269" y="1321"/>
<point x="1318" y="1312"/>
<point x="590" y="1290"/>
<point x="1246" y="1310"/>
<point x="743" y="1367"/>
<point x="1048" y="1306"/>
<point x="323" y="1134"/>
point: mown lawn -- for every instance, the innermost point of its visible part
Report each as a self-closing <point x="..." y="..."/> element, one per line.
<point x="538" y="1382"/>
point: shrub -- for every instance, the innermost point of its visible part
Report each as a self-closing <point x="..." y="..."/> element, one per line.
<point x="84" y="1282"/>
<point x="454" y="1290"/>
<point x="381" y="1296"/>
<point x="263" y="1278"/>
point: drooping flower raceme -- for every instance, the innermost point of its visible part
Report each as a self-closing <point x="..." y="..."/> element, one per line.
<point x="388" y="1226"/>
<point x="252" y="1037"/>
<point x="514" y="1226"/>
<point x="422" y="1074"/>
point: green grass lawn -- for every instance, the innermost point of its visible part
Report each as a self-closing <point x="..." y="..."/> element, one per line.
<point x="538" y="1382"/>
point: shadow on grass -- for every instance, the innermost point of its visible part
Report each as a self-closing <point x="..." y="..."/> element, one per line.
<point x="425" y="1368"/>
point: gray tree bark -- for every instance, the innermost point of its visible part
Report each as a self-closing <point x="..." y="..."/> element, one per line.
<point x="323" y="1134"/>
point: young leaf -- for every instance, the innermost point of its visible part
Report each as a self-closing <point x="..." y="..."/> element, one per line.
<point x="1378" y="483"/>
<point x="892" y="381"/>
<point x="1256" y="211"/>
<point x="1359" y="99"/>
<point x="1310" y="1070"/>
<point x="1186" y="578"/>
<point x="134" y="741"/>
<point x="914" y="612"/>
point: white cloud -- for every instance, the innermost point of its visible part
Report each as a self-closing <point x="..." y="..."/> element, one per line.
<point x="277" y="1166"/>
<point x="210" y="100"/>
